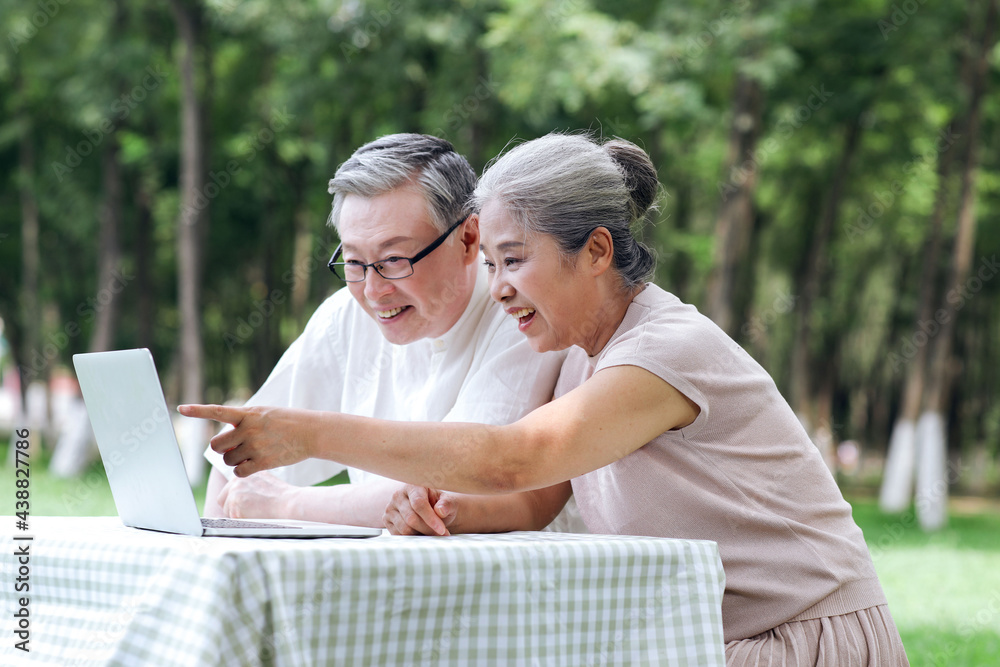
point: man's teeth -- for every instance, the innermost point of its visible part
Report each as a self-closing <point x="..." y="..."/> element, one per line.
<point x="524" y="312"/>
<point x="386" y="314"/>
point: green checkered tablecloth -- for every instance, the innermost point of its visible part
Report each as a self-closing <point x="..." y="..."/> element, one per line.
<point x="103" y="594"/>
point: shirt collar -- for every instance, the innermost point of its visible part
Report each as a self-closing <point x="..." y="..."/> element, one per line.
<point x="627" y="322"/>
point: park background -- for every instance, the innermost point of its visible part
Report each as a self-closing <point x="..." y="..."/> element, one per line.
<point x="831" y="191"/>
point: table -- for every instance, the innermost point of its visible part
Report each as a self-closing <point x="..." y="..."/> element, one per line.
<point x="104" y="594"/>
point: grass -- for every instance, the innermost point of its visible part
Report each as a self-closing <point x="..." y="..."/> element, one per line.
<point x="943" y="588"/>
<point x="86" y="495"/>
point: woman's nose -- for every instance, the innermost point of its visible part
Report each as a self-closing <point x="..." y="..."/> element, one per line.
<point x="500" y="288"/>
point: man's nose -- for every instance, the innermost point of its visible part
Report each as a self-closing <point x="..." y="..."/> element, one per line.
<point x="375" y="285"/>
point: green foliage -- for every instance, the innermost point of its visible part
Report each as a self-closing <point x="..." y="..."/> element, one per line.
<point x="295" y="87"/>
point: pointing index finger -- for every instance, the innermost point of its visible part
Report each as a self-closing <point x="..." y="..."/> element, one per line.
<point x="219" y="413"/>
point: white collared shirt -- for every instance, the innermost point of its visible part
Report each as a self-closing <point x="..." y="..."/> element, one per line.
<point x="482" y="370"/>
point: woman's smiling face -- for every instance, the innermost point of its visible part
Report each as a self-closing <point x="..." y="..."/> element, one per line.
<point x="547" y="293"/>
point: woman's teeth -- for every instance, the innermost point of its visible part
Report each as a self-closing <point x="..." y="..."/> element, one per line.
<point x="386" y="314"/>
<point x="524" y="312"/>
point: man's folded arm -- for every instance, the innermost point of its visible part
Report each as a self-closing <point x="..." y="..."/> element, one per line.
<point x="530" y="510"/>
<point x="264" y="496"/>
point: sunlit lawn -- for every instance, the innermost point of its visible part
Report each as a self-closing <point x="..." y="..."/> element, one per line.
<point x="87" y="495"/>
<point x="943" y="589"/>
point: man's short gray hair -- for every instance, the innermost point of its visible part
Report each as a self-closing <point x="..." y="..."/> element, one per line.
<point x="568" y="185"/>
<point x="426" y="163"/>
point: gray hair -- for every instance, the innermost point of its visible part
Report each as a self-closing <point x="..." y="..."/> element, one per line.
<point x="568" y="185"/>
<point x="427" y="163"/>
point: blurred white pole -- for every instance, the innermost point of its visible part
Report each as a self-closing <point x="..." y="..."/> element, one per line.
<point x="74" y="450"/>
<point x="192" y="437"/>
<point x="932" y="472"/>
<point x="897" y="477"/>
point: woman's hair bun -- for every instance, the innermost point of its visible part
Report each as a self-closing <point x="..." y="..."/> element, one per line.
<point x="639" y="173"/>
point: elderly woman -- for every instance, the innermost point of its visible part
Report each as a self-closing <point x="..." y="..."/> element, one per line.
<point x="666" y="427"/>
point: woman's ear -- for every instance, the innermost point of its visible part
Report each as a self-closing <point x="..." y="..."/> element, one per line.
<point x="600" y="251"/>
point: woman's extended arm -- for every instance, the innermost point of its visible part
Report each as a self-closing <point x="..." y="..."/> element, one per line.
<point x="610" y="415"/>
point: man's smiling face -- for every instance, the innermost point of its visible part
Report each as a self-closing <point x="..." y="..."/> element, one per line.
<point x="398" y="224"/>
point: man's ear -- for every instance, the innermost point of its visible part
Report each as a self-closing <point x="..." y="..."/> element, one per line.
<point x="599" y="251"/>
<point x="468" y="234"/>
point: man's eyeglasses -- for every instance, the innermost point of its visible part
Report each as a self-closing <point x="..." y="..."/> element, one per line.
<point x="390" y="268"/>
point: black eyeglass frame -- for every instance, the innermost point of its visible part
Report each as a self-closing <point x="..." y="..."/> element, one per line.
<point x="333" y="263"/>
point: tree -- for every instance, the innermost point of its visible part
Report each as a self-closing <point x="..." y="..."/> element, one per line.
<point x="188" y="15"/>
<point x="932" y="477"/>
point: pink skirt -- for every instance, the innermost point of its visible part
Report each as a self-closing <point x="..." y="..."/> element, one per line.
<point x="866" y="638"/>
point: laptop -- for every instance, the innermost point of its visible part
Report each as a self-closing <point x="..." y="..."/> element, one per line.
<point x="140" y="453"/>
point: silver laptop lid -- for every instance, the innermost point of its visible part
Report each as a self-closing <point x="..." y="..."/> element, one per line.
<point x="145" y="471"/>
<point x="134" y="434"/>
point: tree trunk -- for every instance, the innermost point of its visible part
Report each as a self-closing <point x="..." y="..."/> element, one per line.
<point x="824" y="434"/>
<point x="897" y="481"/>
<point x="110" y="280"/>
<point x="679" y="264"/>
<point x="193" y="218"/>
<point x="734" y="223"/>
<point x="263" y="360"/>
<point x="932" y="479"/>
<point x="146" y="308"/>
<point x="816" y="269"/>
<point x="34" y="358"/>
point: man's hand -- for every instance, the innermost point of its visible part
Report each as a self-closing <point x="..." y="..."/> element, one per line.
<point x="417" y="510"/>
<point x="262" y="437"/>
<point x="259" y="496"/>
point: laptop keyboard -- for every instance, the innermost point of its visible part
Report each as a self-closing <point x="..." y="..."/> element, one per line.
<point x="236" y="523"/>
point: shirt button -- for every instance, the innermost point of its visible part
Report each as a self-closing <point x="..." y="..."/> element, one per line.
<point x="438" y="345"/>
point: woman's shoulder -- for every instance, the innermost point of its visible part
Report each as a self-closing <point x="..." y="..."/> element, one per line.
<point x="658" y="320"/>
<point x="655" y="304"/>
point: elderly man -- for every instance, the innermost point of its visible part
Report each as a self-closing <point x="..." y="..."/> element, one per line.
<point x="414" y="337"/>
